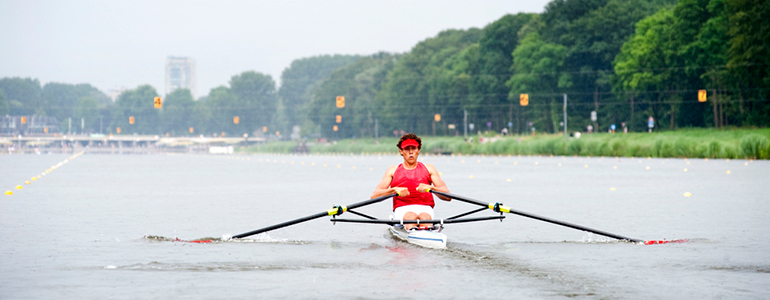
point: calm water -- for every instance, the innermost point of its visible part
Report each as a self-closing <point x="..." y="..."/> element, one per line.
<point x="80" y="231"/>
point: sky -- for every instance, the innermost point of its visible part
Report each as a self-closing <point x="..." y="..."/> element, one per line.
<point x="124" y="44"/>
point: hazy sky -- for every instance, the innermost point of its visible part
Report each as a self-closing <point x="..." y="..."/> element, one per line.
<point x="113" y="44"/>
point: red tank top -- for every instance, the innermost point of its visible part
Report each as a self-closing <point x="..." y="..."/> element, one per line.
<point x="410" y="179"/>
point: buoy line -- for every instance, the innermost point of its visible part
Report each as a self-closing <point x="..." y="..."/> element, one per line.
<point x="38" y="177"/>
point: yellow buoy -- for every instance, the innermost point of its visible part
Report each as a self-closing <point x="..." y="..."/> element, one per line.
<point x="354" y="167"/>
<point x="612" y="189"/>
<point x="8" y="193"/>
<point x="614" y="167"/>
<point x="728" y="171"/>
<point x="515" y="162"/>
<point x="18" y="187"/>
<point x="471" y="177"/>
<point x="559" y="164"/>
<point x="585" y="166"/>
<point x="34" y="178"/>
<point x="312" y="164"/>
<point x="685" y="169"/>
<point x="537" y="163"/>
<point x="339" y="166"/>
<point x="647" y="168"/>
<point x="745" y="164"/>
<point x="509" y="180"/>
<point x="372" y="169"/>
<point x="687" y="194"/>
<point x="27" y="182"/>
<point x="325" y="165"/>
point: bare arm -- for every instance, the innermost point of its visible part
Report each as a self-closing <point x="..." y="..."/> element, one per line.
<point x="383" y="188"/>
<point x="438" y="183"/>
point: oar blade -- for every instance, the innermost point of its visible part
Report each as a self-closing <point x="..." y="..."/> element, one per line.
<point x="660" y="242"/>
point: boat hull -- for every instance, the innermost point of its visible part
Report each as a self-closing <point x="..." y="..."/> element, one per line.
<point x="424" y="238"/>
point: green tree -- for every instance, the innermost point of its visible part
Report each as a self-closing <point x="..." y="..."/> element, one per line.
<point x="536" y="66"/>
<point x="593" y="32"/>
<point x="23" y="96"/>
<point x="178" y="111"/>
<point x="137" y="103"/>
<point x="255" y="102"/>
<point x="60" y="99"/>
<point x="409" y="89"/>
<point x="359" y="83"/>
<point x="643" y="62"/>
<point x="86" y="111"/>
<point x="220" y="106"/>
<point x="299" y="81"/>
<point x="749" y="57"/>
<point x="5" y="107"/>
<point x="492" y="68"/>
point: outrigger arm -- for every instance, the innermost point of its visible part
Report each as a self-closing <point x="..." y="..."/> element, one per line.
<point x="498" y="207"/>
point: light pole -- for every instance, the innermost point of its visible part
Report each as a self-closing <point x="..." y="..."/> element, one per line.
<point x="465" y="124"/>
<point x="565" y="117"/>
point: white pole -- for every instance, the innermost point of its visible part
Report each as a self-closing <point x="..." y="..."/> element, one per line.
<point x="465" y="124"/>
<point x="565" y="117"/>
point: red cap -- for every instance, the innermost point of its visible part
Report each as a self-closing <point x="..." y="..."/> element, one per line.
<point x="409" y="142"/>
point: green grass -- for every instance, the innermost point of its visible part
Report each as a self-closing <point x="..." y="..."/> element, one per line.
<point x="694" y="143"/>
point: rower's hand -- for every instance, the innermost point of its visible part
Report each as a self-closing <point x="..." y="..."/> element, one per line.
<point x="423" y="188"/>
<point x="401" y="191"/>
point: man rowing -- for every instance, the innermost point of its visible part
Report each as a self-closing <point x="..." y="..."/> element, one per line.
<point x="412" y="181"/>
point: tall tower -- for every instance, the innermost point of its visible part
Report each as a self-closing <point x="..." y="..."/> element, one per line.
<point x="180" y="74"/>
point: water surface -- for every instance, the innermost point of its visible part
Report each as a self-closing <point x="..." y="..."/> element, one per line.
<point x="82" y="230"/>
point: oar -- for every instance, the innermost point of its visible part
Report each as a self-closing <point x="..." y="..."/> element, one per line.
<point x="337" y="210"/>
<point x="498" y="207"/>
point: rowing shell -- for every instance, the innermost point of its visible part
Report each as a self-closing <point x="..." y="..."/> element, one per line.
<point x="425" y="238"/>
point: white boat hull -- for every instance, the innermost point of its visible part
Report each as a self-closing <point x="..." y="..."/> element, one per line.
<point x="425" y="238"/>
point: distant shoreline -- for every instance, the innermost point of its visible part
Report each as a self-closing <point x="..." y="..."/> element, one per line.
<point x="685" y="143"/>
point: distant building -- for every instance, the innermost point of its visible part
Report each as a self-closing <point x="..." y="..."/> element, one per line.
<point x="115" y="93"/>
<point x="180" y="74"/>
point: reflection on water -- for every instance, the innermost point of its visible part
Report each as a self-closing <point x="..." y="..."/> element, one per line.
<point x="112" y="225"/>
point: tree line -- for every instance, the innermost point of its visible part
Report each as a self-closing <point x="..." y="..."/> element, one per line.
<point x="625" y="60"/>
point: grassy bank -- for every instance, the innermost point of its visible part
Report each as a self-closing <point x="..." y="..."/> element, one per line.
<point x="700" y="143"/>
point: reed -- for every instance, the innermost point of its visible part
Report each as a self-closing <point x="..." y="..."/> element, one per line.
<point x="692" y="143"/>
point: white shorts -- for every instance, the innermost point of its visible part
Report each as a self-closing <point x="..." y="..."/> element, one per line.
<point x="400" y="211"/>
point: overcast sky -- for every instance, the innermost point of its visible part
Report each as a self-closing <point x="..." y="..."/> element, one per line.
<point x="114" y="44"/>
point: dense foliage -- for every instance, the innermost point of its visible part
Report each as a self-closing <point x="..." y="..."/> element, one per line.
<point x="627" y="60"/>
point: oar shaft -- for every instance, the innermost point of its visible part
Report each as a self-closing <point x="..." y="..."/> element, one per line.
<point x="541" y="218"/>
<point x="280" y="225"/>
<point x="311" y="217"/>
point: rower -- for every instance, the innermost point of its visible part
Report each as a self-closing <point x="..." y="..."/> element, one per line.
<point x="412" y="181"/>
